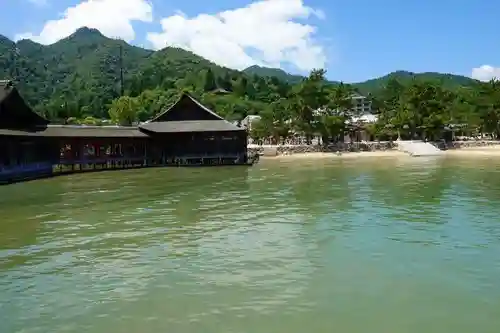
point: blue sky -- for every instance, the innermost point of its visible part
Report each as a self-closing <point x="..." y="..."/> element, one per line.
<point x="355" y="40"/>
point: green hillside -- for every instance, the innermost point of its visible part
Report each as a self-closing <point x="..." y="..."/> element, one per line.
<point x="80" y="70"/>
<point x="448" y="81"/>
<point x="273" y="72"/>
<point x="79" y="77"/>
<point x="374" y="85"/>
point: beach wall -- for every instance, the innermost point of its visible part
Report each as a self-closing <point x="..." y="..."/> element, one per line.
<point x="272" y="150"/>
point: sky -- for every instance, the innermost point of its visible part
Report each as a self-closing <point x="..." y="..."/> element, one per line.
<point x="354" y="40"/>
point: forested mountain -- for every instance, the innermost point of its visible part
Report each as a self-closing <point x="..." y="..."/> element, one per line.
<point x="77" y="79"/>
<point x="79" y="76"/>
<point x="80" y="71"/>
<point x="374" y="85"/>
<point x="449" y="81"/>
<point x="273" y="72"/>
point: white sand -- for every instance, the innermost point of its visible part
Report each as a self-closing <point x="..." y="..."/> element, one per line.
<point x="488" y="151"/>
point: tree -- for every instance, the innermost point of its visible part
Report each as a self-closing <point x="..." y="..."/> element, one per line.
<point x="224" y="82"/>
<point x="240" y="86"/>
<point x="278" y="118"/>
<point x="260" y="130"/>
<point x="123" y="111"/>
<point x="331" y="128"/>
<point x="488" y="100"/>
<point x="339" y="111"/>
<point x="307" y="99"/>
<point x="91" y="121"/>
<point x="209" y="83"/>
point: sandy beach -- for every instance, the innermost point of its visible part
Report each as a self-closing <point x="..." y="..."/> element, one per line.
<point x="472" y="152"/>
<point x="489" y="151"/>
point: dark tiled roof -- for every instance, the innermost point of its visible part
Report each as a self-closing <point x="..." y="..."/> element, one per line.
<point x="5" y="89"/>
<point x="69" y="131"/>
<point x="186" y="97"/>
<point x="190" y="126"/>
<point x="209" y="121"/>
<point x="14" y="110"/>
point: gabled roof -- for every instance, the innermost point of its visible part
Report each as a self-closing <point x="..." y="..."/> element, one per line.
<point x="14" y="112"/>
<point x="188" y="115"/>
<point x="186" y="99"/>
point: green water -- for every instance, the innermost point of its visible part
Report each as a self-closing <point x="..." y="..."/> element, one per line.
<point x="384" y="245"/>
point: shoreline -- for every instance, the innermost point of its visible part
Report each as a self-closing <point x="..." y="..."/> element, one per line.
<point x="492" y="150"/>
<point x="487" y="151"/>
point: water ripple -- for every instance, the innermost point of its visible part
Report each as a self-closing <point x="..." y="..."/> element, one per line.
<point x="275" y="248"/>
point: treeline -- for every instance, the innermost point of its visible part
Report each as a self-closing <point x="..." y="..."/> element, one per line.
<point x="428" y="110"/>
<point x="231" y="96"/>
<point x="415" y="109"/>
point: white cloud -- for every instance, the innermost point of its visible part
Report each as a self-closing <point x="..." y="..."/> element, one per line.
<point x="265" y="33"/>
<point x="112" y="17"/>
<point x="485" y="73"/>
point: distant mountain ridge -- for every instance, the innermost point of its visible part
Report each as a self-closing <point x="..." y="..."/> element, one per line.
<point x="273" y="72"/>
<point x="372" y="85"/>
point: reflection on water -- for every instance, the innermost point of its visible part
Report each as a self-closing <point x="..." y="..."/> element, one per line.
<point x="392" y="245"/>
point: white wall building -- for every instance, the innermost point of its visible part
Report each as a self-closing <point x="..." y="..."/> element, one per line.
<point x="366" y="118"/>
<point x="362" y="110"/>
<point x="361" y="105"/>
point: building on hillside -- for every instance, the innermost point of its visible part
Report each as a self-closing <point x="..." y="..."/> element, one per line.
<point x="187" y="133"/>
<point x="361" y="104"/>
